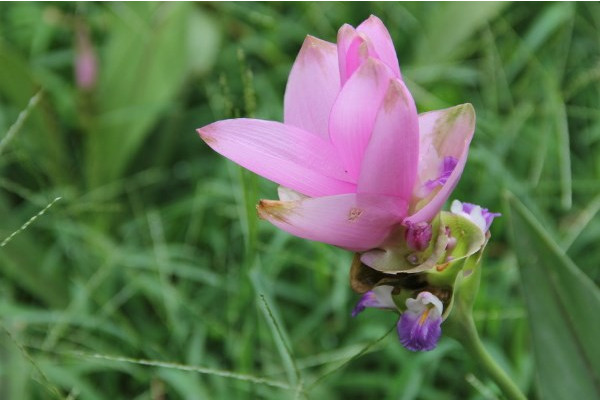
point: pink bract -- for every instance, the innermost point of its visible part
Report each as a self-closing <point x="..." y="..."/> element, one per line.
<point x="353" y="154"/>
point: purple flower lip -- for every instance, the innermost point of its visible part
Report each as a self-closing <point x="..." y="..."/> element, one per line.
<point x="480" y="216"/>
<point x="419" y="328"/>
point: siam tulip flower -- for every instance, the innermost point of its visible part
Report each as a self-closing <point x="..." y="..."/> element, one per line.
<point x="354" y="159"/>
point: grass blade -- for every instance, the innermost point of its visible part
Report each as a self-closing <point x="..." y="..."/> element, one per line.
<point x="12" y="131"/>
<point x="29" y="222"/>
<point x="182" y="367"/>
<point x="562" y="303"/>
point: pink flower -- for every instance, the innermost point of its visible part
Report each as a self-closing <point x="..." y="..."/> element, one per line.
<point x="354" y="158"/>
<point x="86" y="63"/>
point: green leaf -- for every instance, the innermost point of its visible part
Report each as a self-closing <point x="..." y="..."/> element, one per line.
<point x="449" y="27"/>
<point x="17" y="86"/>
<point x="540" y="31"/>
<point x="274" y="321"/>
<point x="563" y="306"/>
<point x="149" y="55"/>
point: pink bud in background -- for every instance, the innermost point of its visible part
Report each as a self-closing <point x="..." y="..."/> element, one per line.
<point x="86" y="63"/>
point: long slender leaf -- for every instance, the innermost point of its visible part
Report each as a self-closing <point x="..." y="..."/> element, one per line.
<point x="441" y="43"/>
<point x="145" y="65"/>
<point x="563" y="304"/>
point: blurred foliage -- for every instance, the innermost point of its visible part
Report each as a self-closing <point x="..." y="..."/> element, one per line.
<point x="560" y="300"/>
<point x="155" y="253"/>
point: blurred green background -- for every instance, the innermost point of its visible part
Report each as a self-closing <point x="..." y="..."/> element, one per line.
<point x="155" y="255"/>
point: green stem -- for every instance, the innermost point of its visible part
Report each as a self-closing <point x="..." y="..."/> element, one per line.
<point x="472" y="343"/>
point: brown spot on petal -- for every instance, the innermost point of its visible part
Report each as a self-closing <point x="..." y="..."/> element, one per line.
<point x="316" y="42"/>
<point x="363" y="48"/>
<point x="444" y="128"/>
<point x="204" y="135"/>
<point x="369" y="69"/>
<point x="273" y="209"/>
<point x="394" y="93"/>
<point x="315" y="50"/>
<point x="354" y="214"/>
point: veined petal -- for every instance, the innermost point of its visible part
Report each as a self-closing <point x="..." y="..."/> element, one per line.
<point x="354" y="111"/>
<point x="443" y="133"/>
<point x="312" y="87"/>
<point x="382" y="42"/>
<point x="284" y="154"/>
<point x="356" y="222"/>
<point x="390" y="161"/>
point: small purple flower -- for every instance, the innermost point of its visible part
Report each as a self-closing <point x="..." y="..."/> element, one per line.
<point x="379" y="297"/>
<point x="418" y="235"/>
<point x="419" y="328"/>
<point x="478" y="215"/>
<point x="447" y="167"/>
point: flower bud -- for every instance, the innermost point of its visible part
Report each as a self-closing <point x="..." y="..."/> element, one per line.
<point x="418" y="235"/>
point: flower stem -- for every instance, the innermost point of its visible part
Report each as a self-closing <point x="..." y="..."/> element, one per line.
<point x="469" y="338"/>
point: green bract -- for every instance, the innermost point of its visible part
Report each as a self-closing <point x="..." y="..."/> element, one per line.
<point x="396" y="256"/>
<point x="447" y="266"/>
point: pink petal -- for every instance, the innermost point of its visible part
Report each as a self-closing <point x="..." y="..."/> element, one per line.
<point x="357" y="222"/>
<point x="382" y="42"/>
<point x="312" y="87"/>
<point x="345" y="37"/>
<point x="443" y="133"/>
<point x="354" y="112"/>
<point x="390" y="163"/>
<point x="353" y="50"/>
<point x="284" y="154"/>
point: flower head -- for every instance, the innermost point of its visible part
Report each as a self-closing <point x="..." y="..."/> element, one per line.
<point x="352" y="147"/>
